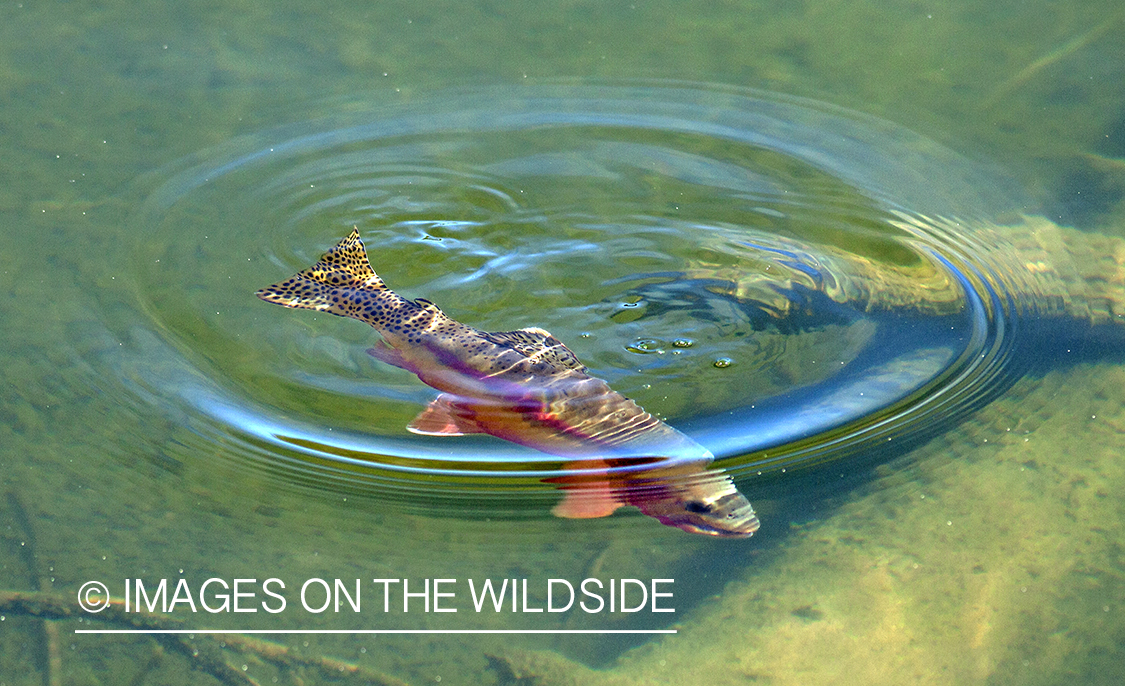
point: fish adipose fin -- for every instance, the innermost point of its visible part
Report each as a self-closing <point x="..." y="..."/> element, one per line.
<point x="440" y="419"/>
<point x="328" y="284"/>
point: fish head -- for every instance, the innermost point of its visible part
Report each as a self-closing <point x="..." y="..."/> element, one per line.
<point x="731" y="516"/>
<point x="705" y="503"/>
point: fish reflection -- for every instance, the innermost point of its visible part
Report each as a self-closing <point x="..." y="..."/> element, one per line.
<point x="527" y="387"/>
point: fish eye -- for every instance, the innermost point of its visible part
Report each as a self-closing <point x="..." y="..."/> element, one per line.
<point x="697" y="507"/>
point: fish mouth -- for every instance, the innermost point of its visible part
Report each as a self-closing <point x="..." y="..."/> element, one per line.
<point x="742" y="532"/>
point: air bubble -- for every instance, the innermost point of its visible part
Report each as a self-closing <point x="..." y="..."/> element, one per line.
<point x="646" y="346"/>
<point x="723" y="362"/>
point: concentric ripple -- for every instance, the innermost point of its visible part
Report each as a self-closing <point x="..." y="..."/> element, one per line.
<point x="761" y="272"/>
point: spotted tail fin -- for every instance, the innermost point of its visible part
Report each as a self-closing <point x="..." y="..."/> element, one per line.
<point x="331" y="284"/>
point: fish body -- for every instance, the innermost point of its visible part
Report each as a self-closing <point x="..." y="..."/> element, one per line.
<point x="526" y="387"/>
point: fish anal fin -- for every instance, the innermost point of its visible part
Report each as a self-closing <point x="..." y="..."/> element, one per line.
<point x="389" y="355"/>
<point x="439" y="419"/>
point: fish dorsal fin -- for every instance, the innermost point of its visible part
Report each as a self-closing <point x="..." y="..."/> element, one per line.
<point x="440" y="419"/>
<point x="538" y="344"/>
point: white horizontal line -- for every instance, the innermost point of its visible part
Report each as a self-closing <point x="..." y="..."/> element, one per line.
<point x="375" y="631"/>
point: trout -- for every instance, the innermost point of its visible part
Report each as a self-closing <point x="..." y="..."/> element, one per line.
<point x="526" y="387"/>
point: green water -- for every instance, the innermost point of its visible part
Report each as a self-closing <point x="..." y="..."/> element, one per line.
<point x="990" y="555"/>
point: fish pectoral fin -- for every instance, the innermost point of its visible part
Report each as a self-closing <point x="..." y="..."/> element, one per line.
<point x="589" y="501"/>
<point x="439" y="419"/>
<point x="389" y="355"/>
<point x="585" y="495"/>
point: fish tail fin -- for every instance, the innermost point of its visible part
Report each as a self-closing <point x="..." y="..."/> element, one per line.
<point x="332" y="284"/>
